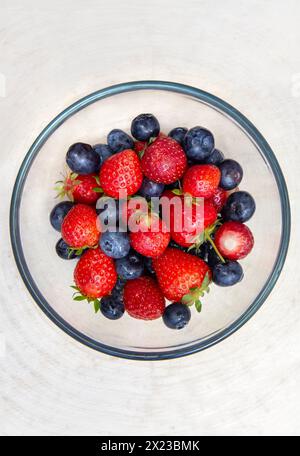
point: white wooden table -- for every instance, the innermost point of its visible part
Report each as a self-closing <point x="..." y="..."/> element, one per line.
<point x="246" y="52"/>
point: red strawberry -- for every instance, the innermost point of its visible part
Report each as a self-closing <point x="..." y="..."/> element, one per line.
<point x="152" y="237"/>
<point x="121" y="173"/>
<point x="95" y="276"/>
<point x="133" y="207"/>
<point x="194" y="219"/>
<point x="80" y="188"/>
<point x="219" y="198"/>
<point x="143" y="299"/>
<point x="182" y="276"/>
<point x="164" y="161"/>
<point x="234" y="240"/>
<point x="201" y="180"/>
<point x="139" y="146"/>
<point x="79" y="228"/>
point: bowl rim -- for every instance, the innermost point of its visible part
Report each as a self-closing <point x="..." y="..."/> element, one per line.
<point x="80" y="104"/>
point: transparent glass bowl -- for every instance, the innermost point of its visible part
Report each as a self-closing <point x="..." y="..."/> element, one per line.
<point x="47" y="277"/>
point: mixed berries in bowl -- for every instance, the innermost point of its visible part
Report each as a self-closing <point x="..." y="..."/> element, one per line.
<point x="169" y="229"/>
<point x="153" y="219"/>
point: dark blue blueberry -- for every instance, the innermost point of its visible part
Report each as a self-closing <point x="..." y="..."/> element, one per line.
<point x="174" y="245"/>
<point x="130" y="267"/>
<point x="112" y="308"/>
<point x="227" y="274"/>
<point x="239" y="207"/>
<point x="115" y="244"/>
<point x="178" y="134"/>
<point x="176" y="315"/>
<point x="198" y="143"/>
<point x="150" y="189"/>
<point x="149" y="265"/>
<point x="118" y="140"/>
<point x="108" y="210"/>
<point x="58" y="213"/>
<point x="104" y="152"/>
<point x="202" y="251"/>
<point x="117" y="291"/>
<point x="82" y="159"/>
<point x="215" y="158"/>
<point x="231" y="174"/>
<point x="64" y="252"/>
<point x="144" y="127"/>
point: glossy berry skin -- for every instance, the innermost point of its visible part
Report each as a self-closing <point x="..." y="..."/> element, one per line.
<point x="150" y="189"/>
<point x="234" y="240"/>
<point x="82" y="159"/>
<point x="58" y="214"/>
<point x="201" y="180"/>
<point x="95" y="274"/>
<point x="164" y="161"/>
<point x="227" y="274"/>
<point x="240" y="207"/>
<point x="215" y="158"/>
<point x="62" y="250"/>
<point x="219" y="198"/>
<point x="112" y="308"/>
<point x="79" y="228"/>
<point x="194" y="220"/>
<point x="104" y="152"/>
<point x="81" y="189"/>
<point x="144" y="127"/>
<point x="178" y="134"/>
<point x="143" y="299"/>
<point x="231" y="174"/>
<point x="130" y="267"/>
<point x="115" y="244"/>
<point x="121" y="172"/>
<point x="178" y="272"/>
<point x="118" y="140"/>
<point x="198" y="143"/>
<point x="176" y="315"/>
<point x="152" y="238"/>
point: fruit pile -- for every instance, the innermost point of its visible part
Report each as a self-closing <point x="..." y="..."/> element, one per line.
<point x="137" y="270"/>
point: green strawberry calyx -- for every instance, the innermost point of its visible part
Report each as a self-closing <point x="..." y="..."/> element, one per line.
<point x="80" y="250"/>
<point x="206" y="235"/>
<point x="66" y="186"/>
<point x="78" y="296"/>
<point x="193" y="297"/>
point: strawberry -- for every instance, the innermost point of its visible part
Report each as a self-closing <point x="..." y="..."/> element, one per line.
<point x="95" y="276"/>
<point x="164" y="161"/>
<point x="79" y="228"/>
<point x="182" y="276"/>
<point x="139" y="146"/>
<point x="151" y="237"/>
<point x="121" y="173"/>
<point x="234" y="240"/>
<point x="143" y="298"/>
<point x="134" y="206"/>
<point x="194" y="219"/>
<point x="80" y="188"/>
<point x="201" y="180"/>
<point x="219" y="198"/>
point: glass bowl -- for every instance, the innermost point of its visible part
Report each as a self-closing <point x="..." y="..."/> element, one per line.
<point x="47" y="277"/>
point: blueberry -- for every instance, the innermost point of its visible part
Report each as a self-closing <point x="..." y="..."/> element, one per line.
<point x="82" y="159"/>
<point x="176" y="315"/>
<point x="104" y="152"/>
<point x="215" y="158"/>
<point x="115" y="244"/>
<point x="212" y="258"/>
<point x="227" y="274"/>
<point x="130" y="267"/>
<point x="112" y="308"/>
<point x="118" y="140"/>
<point x="202" y="251"/>
<point x="62" y="250"/>
<point x="178" y="134"/>
<point x="239" y="207"/>
<point x="198" y="143"/>
<point x="174" y="245"/>
<point x="149" y="265"/>
<point x="151" y="189"/>
<point x="58" y="213"/>
<point x="144" y="127"/>
<point x="231" y="174"/>
<point x="108" y="210"/>
<point x="117" y="291"/>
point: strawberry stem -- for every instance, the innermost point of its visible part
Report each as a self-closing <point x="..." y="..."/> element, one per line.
<point x="209" y="239"/>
